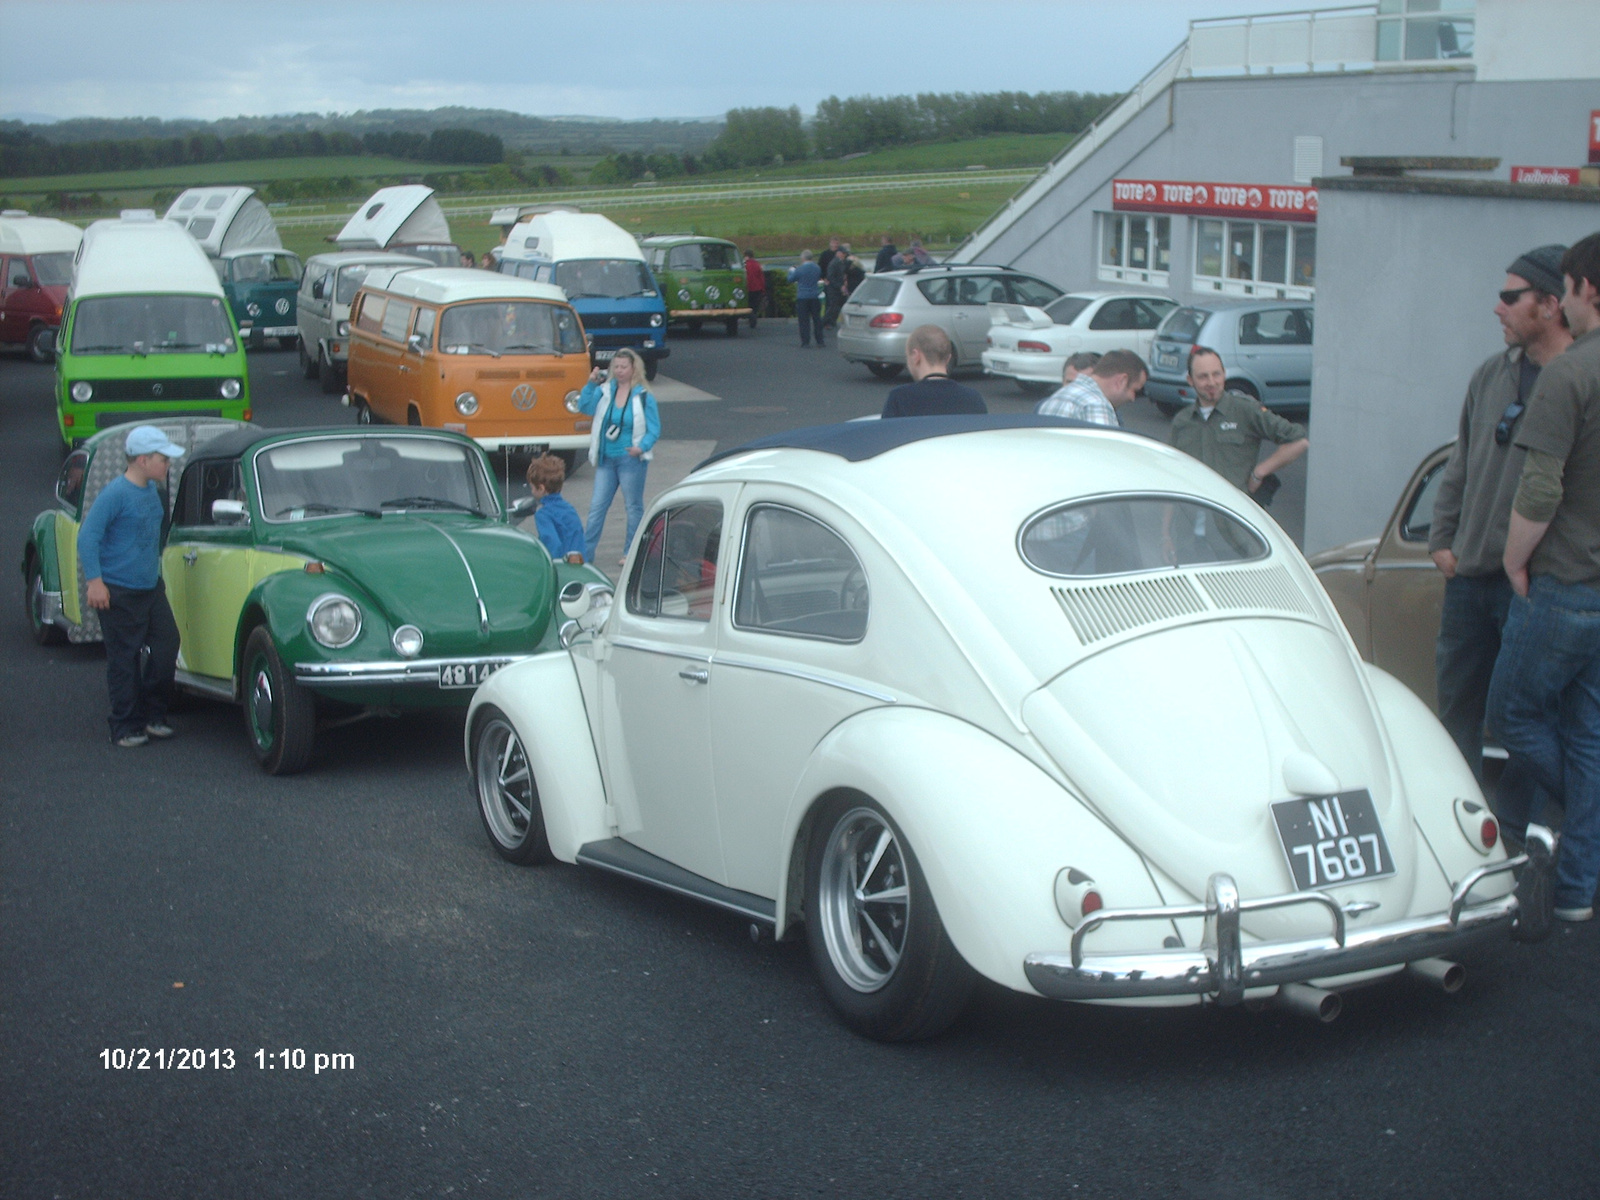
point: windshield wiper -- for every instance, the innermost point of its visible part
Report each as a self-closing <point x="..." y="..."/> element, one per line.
<point x="327" y="508"/>
<point x="480" y="346"/>
<point x="531" y="346"/>
<point x="431" y="502"/>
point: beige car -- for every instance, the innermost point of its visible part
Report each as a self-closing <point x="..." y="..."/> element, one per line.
<point x="1388" y="590"/>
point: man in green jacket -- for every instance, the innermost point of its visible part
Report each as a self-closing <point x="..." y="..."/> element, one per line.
<point x="1225" y="429"/>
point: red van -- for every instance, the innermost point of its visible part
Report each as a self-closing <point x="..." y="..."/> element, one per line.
<point x="35" y="269"/>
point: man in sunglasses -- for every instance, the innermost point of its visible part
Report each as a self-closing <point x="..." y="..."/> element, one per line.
<point x="1544" y="700"/>
<point x="1473" y="506"/>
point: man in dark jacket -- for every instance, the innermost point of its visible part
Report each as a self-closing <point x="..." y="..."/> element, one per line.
<point x="886" y="255"/>
<point x="934" y="393"/>
<point x="838" y="276"/>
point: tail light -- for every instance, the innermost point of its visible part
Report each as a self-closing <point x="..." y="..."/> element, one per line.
<point x="1489" y="832"/>
<point x="888" y="320"/>
<point x="1036" y="347"/>
<point x="1076" y="896"/>
<point x="1477" y="825"/>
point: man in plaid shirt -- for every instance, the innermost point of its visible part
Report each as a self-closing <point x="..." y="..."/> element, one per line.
<point x="1096" y="394"/>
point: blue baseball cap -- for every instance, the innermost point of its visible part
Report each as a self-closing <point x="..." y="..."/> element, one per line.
<point x="147" y="439"/>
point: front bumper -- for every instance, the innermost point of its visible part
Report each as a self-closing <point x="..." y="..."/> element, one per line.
<point x="415" y="672"/>
<point x="521" y="441"/>
<point x="694" y="314"/>
<point x="1224" y="966"/>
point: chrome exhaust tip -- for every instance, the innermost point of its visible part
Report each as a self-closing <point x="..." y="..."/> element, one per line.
<point x="1314" y="1002"/>
<point x="1443" y="974"/>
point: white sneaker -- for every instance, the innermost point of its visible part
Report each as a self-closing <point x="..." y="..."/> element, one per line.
<point x="1585" y="913"/>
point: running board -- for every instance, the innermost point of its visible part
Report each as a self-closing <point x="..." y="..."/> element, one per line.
<point x="624" y="858"/>
<point x="217" y="689"/>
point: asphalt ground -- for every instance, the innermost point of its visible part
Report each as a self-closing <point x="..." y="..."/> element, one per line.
<point x="551" y="1032"/>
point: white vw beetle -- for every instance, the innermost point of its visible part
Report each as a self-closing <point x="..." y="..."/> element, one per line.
<point x="1013" y="697"/>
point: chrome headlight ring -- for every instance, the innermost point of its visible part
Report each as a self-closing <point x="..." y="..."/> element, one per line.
<point x="334" y="620"/>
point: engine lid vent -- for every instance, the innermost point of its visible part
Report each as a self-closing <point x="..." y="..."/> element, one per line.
<point x="1107" y="609"/>
<point x="1256" y="587"/>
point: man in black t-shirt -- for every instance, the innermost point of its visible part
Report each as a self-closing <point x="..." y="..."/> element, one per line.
<point x="934" y="393"/>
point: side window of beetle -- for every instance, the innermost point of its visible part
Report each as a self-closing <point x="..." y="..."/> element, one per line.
<point x="799" y="578"/>
<point x="69" y="487"/>
<point x="676" y="573"/>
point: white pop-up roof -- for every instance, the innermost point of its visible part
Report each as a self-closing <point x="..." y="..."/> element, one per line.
<point x="22" y="234"/>
<point x="226" y="218"/>
<point x="139" y="255"/>
<point x="565" y="236"/>
<point x="406" y="215"/>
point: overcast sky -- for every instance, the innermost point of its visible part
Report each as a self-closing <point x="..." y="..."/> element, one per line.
<point x="613" y="58"/>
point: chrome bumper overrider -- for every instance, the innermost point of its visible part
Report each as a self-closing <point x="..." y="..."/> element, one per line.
<point x="414" y="671"/>
<point x="1224" y="966"/>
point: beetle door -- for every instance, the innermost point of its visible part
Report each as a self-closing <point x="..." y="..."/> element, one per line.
<point x="209" y="565"/>
<point x="1405" y="594"/>
<point x="656" y="680"/>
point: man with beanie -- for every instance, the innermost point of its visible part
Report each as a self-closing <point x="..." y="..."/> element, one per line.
<point x="119" y="546"/>
<point x="1473" y="507"/>
<point x="1544" y="698"/>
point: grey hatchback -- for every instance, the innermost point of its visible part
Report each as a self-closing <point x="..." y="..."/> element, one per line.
<point x="887" y="307"/>
<point x="1265" y="346"/>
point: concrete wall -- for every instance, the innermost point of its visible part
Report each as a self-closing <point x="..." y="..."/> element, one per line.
<point x="1405" y="297"/>
<point x="1553" y="39"/>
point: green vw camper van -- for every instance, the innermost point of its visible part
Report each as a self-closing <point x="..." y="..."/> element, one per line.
<point x="147" y="332"/>
<point x="260" y="278"/>
<point x="701" y="277"/>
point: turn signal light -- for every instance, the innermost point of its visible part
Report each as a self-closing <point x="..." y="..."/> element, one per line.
<point x="1091" y="903"/>
<point x="315" y="568"/>
<point x="888" y="320"/>
<point x="1490" y="833"/>
<point x="1036" y="347"/>
<point x="1477" y="825"/>
<point x="247" y="414"/>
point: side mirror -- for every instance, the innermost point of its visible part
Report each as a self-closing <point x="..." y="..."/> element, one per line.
<point x="414" y="343"/>
<point x="522" y="509"/>
<point x="579" y="598"/>
<point x="229" y="512"/>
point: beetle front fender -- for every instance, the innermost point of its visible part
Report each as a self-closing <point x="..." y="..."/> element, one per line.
<point x="990" y="829"/>
<point x="544" y="701"/>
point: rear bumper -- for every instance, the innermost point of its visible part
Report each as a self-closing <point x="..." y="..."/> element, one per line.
<point x="1033" y="367"/>
<point x="1224" y="966"/>
<point x="886" y="346"/>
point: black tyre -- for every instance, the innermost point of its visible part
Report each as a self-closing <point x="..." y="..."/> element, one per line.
<point x="886" y="370"/>
<point x="649" y="369"/>
<point x="1034" y="387"/>
<point x="280" y="716"/>
<point x="310" y="367"/>
<point x="42" y="344"/>
<point x="289" y="343"/>
<point x="45" y="633"/>
<point x="364" y="414"/>
<point x="569" y="460"/>
<point x="1168" y="408"/>
<point x="1245" y="387"/>
<point x="330" y="376"/>
<point x="873" y="932"/>
<point x="693" y="324"/>
<point x="506" y="791"/>
<point x="413" y="417"/>
<point x="733" y="326"/>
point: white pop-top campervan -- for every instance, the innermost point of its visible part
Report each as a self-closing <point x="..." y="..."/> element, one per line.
<point x="223" y="219"/>
<point x="406" y="219"/>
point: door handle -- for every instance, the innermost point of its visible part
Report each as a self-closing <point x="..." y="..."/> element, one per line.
<point x="189" y="557"/>
<point x="695" y="675"/>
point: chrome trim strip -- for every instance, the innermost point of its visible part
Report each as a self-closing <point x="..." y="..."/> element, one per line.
<point x="222" y="689"/>
<point x="628" y="643"/>
<point x="483" y="612"/>
<point x="1210" y="970"/>
<point x="411" y="670"/>
<point x="723" y="660"/>
<point x="620" y="857"/>
<point x="1405" y="566"/>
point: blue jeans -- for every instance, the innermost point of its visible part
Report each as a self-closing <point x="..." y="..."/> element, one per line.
<point x="610" y="474"/>
<point x="1544" y="702"/>
<point x="810" y="312"/>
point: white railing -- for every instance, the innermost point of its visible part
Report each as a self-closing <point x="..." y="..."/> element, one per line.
<point x="1275" y="43"/>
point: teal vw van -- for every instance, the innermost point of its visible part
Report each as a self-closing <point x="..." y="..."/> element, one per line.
<point x="259" y="277"/>
<point x="701" y="277"/>
<point x="147" y="332"/>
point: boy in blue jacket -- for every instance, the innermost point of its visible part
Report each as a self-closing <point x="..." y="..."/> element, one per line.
<point x="560" y="527"/>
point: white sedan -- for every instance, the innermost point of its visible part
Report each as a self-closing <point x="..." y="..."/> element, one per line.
<point x="1030" y="345"/>
<point x="1094" y="732"/>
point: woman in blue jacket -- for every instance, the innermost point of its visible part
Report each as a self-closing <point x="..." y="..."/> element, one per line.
<point x="626" y="426"/>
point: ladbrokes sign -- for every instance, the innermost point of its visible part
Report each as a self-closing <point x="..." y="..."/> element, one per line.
<point x="1215" y="199"/>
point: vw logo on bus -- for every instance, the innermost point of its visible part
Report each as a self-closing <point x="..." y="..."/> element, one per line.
<point x="522" y="396"/>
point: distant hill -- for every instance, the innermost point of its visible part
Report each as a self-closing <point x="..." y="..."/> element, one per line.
<point x="539" y="135"/>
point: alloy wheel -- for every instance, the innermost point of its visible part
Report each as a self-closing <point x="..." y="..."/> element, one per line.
<point x="505" y="784"/>
<point x="865" y="900"/>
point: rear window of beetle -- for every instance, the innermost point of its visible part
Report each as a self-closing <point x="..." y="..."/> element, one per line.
<point x="1120" y="535"/>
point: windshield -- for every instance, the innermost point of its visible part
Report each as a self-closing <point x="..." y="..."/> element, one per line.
<point x="151" y="325"/>
<point x="350" y="280"/>
<point x="510" y="327"/>
<point x="1121" y="534"/>
<point x="704" y="256"/>
<point x="1183" y="324"/>
<point x="607" y="278"/>
<point x="266" y="268"/>
<point x="445" y="256"/>
<point x="336" y="476"/>
<point x="53" y="270"/>
<point x="1065" y="310"/>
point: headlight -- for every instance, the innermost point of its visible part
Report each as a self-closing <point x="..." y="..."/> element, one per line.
<point x="82" y="391"/>
<point x="407" y="641"/>
<point x="572" y="401"/>
<point x="466" y="404"/>
<point x="253" y="309"/>
<point x="344" y="329"/>
<point x="658" y="319"/>
<point x="335" y="620"/>
<point x="230" y="389"/>
<point x="738" y="293"/>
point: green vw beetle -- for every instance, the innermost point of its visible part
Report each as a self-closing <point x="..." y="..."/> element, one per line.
<point x="322" y="571"/>
<point x="702" y="279"/>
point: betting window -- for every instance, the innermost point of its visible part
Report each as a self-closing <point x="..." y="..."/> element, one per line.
<point x="1135" y="248"/>
<point x="1255" y="258"/>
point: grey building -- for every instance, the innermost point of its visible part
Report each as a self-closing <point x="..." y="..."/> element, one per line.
<point x="1203" y="182"/>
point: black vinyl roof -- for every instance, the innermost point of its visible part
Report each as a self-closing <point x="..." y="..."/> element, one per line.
<point x="855" y="441"/>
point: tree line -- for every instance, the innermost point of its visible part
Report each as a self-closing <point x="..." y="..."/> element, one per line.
<point x="23" y="152"/>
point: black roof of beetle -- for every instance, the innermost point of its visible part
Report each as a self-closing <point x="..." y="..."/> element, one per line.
<point x="855" y="441"/>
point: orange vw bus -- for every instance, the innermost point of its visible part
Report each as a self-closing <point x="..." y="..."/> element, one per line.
<point x="492" y="356"/>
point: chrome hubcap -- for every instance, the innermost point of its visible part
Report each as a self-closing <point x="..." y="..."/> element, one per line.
<point x="865" y="900"/>
<point x="261" y="705"/>
<point x="36" y="602"/>
<point x="505" y="784"/>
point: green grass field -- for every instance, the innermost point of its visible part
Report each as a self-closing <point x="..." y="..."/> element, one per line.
<point x="202" y="174"/>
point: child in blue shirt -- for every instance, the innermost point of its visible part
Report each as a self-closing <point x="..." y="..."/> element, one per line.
<point x="560" y="527"/>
